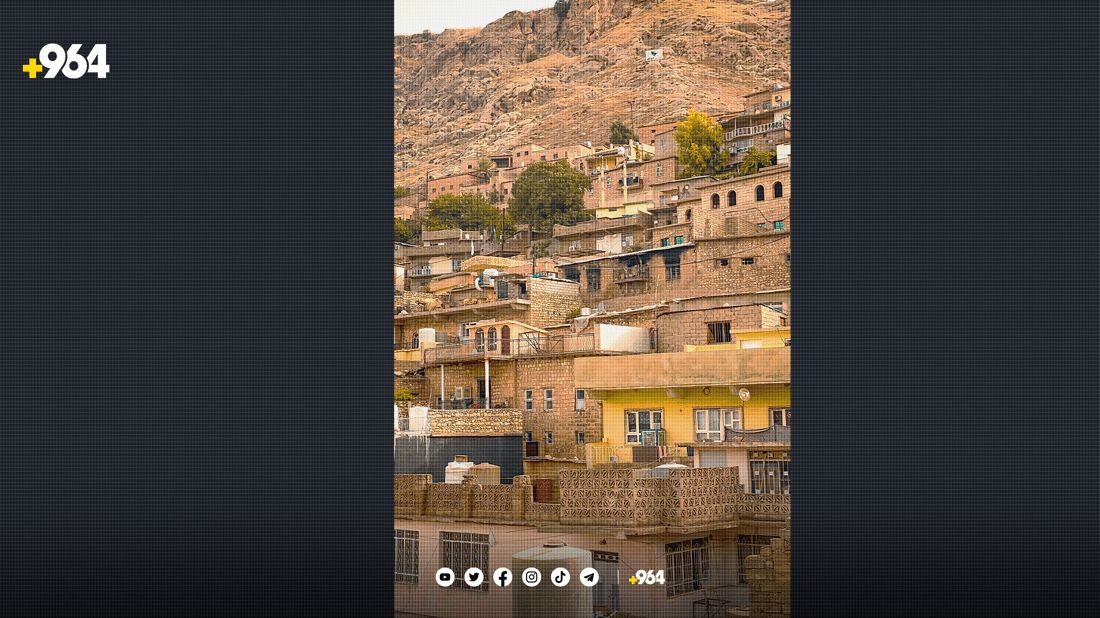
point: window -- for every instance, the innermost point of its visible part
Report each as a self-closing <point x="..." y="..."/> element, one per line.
<point x="687" y="215"/>
<point x="719" y="332"/>
<point x="580" y="437"/>
<point x="664" y="242"/>
<point x="542" y="158"/>
<point x="653" y="339"/>
<point x="548" y="398"/>
<point x="732" y="197"/>
<point x="679" y="240"/>
<point x="593" y="275"/>
<point x="549" y="437"/>
<point x="788" y="258"/>
<point x="638" y="421"/>
<point x="528" y="402"/>
<point x="778" y="225"/>
<point x="687" y="566"/>
<point x="781" y="416"/>
<point x="469" y="166"/>
<point x="492" y="339"/>
<point x="672" y="267"/>
<point x="528" y="436"/>
<point x="722" y="262"/>
<point x="760" y="193"/>
<point x="714" y="201"/>
<point x="526" y="152"/>
<point x="748" y="261"/>
<point x="460" y="551"/>
<point x="660" y="166"/>
<point x="580" y="400"/>
<point x="662" y="143"/>
<point x="479" y="341"/>
<point x="608" y="183"/>
<point x="770" y="472"/>
<point x="777" y="190"/>
<point x="710" y="423"/>
<point x="555" y="156"/>
<point x="406" y="557"/>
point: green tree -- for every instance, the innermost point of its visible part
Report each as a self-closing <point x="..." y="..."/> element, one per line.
<point x="494" y="197"/>
<point x="549" y="193"/>
<point x="469" y="211"/>
<point x="755" y="160"/>
<point x="406" y="231"/>
<point x="484" y="170"/>
<point x="622" y="134"/>
<point x="699" y="139"/>
<point x="400" y="191"/>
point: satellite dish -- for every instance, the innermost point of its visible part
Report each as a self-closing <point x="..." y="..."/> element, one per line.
<point x="743" y="394"/>
<point x="621" y="150"/>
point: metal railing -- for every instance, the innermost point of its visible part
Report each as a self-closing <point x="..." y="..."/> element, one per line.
<point x="623" y="453"/>
<point x="540" y="345"/>
<point x="417" y="272"/>
<point x="760" y="128"/>
<point x="632" y="273"/>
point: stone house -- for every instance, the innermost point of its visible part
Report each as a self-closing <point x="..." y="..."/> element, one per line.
<point x="613" y="236"/>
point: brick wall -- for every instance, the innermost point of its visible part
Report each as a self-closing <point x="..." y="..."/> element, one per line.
<point x="675" y="330"/>
<point x="709" y="221"/>
<point x="770" y="269"/>
<point x="769" y="577"/>
<point x="551" y="301"/>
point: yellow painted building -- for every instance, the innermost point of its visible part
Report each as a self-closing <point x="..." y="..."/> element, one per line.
<point x="691" y="396"/>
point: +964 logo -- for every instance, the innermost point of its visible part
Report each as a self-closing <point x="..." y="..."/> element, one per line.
<point x="70" y="63"/>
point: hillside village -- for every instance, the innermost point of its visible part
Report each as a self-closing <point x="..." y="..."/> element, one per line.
<point x="619" y="382"/>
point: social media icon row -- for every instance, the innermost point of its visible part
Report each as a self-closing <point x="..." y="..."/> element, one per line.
<point x="503" y="577"/>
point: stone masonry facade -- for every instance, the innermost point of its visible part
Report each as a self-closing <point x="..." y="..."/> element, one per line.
<point x="769" y="577"/>
<point x="475" y="422"/>
<point x="675" y="330"/>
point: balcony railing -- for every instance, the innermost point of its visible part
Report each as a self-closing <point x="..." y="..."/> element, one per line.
<point x="632" y="273"/>
<point x="419" y="272"/>
<point x="541" y="345"/>
<point x="760" y="128"/>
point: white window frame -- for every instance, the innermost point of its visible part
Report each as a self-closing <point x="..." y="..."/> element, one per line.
<point x="549" y="438"/>
<point x="715" y="421"/>
<point x="580" y="400"/>
<point x="528" y="400"/>
<point x="784" y="416"/>
<point x="580" y="437"/>
<point x="770" y="472"/>
<point x="635" y="437"/>
<point x="548" y="399"/>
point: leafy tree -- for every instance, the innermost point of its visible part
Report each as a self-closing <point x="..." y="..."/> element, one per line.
<point x="401" y="191"/>
<point x="622" y="134"/>
<point x="403" y="394"/>
<point x="699" y="139"/>
<point x="469" y="211"/>
<point x="484" y="170"/>
<point x="549" y="193"/>
<point x="406" y="231"/>
<point x="494" y="197"/>
<point x="755" y="160"/>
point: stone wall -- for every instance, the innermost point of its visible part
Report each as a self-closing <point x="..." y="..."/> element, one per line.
<point x="769" y="577"/>
<point x="475" y="422"/>
<point x="771" y="270"/>
<point x="564" y="421"/>
<point x="551" y="300"/>
<point x="677" y="329"/>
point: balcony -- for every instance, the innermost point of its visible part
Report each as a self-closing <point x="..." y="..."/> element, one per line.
<point x="756" y="130"/>
<point x="541" y="345"/>
<point x="632" y="182"/>
<point x="632" y="273"/>
<point x="423" y="271"/>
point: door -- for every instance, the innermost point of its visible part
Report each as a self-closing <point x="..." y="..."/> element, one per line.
<point x="532" y="449"/>
<point x="505" y="342"/>
<point x="606" y="591"/>
<point x="481" y="391"/>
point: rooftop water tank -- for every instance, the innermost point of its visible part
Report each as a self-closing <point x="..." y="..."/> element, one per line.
<point x="457" y="469"/>
<point x="547" y="600"/>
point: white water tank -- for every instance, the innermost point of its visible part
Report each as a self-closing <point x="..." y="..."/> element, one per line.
<point x="427" y="336"/>
<point x="457" y="469"/>
<point x="418" y="418"/>
<point x="546" y="600"/>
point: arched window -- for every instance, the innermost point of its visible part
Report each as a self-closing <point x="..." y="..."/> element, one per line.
<point x="714" y="201"/>
<point x="760" y="193"/>
<point x="687" y="215"/>
<point x="492" y="339"/>
<point x="777" y="190"/>
<point x="505" y="343"/>
<point x="732" y="198"/>
<point x="479" y="341"/>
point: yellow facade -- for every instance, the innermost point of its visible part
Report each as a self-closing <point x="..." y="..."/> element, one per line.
<point x="614" y="212"/>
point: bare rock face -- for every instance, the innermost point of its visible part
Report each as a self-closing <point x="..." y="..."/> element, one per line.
<point x="537" y="77"/>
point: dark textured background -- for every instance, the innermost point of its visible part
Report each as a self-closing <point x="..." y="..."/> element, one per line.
<point x="194" y="313"/>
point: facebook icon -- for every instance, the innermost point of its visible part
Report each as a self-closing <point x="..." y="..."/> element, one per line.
<point x="502" y="577"/>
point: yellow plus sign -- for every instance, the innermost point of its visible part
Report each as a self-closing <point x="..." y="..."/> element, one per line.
<point x="633" y="579"/>
<point x="33" y="68"/>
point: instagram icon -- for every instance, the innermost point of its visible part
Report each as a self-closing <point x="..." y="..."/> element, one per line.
<point x="551" y="589"/>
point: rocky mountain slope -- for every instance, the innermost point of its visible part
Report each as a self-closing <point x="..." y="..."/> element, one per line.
<point x="537" y="77"/>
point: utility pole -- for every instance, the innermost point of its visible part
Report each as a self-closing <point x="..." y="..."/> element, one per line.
<point x="632" y="116"/>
